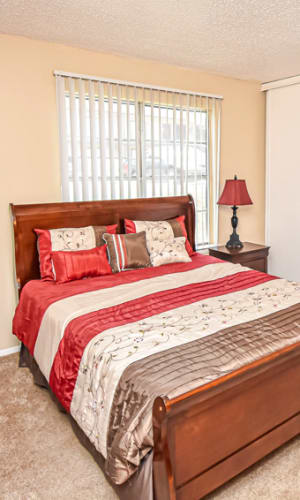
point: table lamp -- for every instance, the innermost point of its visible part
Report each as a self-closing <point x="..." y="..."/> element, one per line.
<point x="235" y="193"/>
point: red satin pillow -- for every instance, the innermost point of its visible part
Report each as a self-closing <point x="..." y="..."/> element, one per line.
<point x="131" y="228"/>
<point x="70" y="266"/>
<point x="70" y="241"/>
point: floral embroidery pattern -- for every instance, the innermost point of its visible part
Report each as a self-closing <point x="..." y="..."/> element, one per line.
<point x="68" y="239"/>
<point x="162" y="246"/>
<point x="167" y="251"/>
<point x="108" y="355"/>
<point x="156" y="232"/>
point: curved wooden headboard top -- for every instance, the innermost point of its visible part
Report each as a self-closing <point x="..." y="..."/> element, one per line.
<point x="78" y="214"/>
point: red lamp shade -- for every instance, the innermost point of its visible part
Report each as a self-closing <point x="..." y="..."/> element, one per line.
<point x="235" y="193"/>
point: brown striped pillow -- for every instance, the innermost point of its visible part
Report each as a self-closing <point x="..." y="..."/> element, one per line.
<point x="127" y="251"/>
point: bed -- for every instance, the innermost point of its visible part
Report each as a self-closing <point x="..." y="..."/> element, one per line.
<point x="221" y="393"/>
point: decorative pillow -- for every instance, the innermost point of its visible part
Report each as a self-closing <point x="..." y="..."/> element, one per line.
<point x="169" y="251"/>
<point x="127" y="251"/>
<point x="160" y="230"/>
<point x="69" y="266"/>
<point x="67" y="239"/>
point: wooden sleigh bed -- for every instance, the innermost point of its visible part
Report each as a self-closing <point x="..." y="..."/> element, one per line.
<point x="206" y="436"/>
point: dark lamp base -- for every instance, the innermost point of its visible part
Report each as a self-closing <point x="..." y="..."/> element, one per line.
<point x="234" y="242"/>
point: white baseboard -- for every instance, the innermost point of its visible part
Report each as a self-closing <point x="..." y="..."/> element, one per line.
<point x="10" y="350"/>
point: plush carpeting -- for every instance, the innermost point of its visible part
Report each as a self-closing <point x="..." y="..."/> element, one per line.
<point x="41" y="457"/>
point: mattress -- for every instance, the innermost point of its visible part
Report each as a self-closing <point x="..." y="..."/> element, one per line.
<point x="109" y="346"/>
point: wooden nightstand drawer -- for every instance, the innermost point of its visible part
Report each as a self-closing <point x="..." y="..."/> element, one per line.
<point x="251" y="255"/>
<point x="258" y="264"/>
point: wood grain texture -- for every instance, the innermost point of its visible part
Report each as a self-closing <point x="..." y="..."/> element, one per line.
<point x="214" y="432"/>
<point x="79" y="214"/>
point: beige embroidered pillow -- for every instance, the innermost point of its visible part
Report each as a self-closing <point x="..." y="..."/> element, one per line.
<point x="66" y="239"/>
<point x="168" y="251"/>
<point x="127" y="251"/>
<point x="160" y="230"/>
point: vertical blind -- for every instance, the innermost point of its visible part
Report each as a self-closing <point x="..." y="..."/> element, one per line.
<point x="123" y="140"/>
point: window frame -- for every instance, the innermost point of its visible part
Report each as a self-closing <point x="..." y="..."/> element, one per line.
<point x="182" y="146"/>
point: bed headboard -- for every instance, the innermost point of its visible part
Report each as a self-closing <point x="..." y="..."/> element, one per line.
<point x="78" y="214"/>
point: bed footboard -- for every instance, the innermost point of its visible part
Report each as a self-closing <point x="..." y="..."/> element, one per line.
<point x="204" y="438"/>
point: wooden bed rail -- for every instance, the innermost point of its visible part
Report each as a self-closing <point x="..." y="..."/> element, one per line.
<point x="205" y="437"/>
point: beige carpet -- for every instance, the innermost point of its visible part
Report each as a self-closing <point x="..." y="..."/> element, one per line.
<point x="42" y="459"/>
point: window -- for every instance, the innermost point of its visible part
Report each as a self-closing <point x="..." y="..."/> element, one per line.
<point x="123" y="141"/>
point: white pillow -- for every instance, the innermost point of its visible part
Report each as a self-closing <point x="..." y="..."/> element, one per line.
<point x="168" y="251"/>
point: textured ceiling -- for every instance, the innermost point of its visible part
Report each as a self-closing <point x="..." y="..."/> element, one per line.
<point x="251" y="39"/>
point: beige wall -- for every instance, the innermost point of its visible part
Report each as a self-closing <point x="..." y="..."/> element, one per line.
<point x="29" y="139"/>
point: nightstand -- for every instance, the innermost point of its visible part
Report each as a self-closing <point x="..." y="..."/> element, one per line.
<point x="251" y="255"/>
